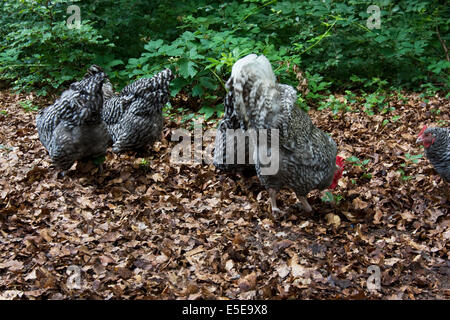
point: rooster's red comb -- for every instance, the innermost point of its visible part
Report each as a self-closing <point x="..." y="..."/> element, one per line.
<point x="423" y="130"/>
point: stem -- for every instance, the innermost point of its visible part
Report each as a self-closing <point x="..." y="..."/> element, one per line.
<point x="256" y="10"/>
<point x="442" y="41"/>
<point x="320" y="39"/>
<point x="27" y="65"/>
<point x="212" y="71"/>
<point x="218" y="78"/>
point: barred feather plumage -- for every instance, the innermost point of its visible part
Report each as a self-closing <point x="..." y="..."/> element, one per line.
<point x="134" y="117"/>
<point x="72" y="129"/>
<point x="231" y="122"/>
<point x="307" y="154"/>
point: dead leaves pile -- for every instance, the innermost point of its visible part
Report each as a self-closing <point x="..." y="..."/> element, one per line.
<point x="149" y="229"/>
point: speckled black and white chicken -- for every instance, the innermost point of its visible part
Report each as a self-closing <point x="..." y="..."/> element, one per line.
<point x="231" y="124"/>
<point x="307" y="156"/>
<point x="436" y="142"/>
<point x="72" y="129"/>
<point x="134" y="117"/>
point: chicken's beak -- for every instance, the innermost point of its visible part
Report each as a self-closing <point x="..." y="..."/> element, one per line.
<point x="419" y="139"/>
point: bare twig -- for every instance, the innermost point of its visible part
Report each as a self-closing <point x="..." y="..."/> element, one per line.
<point x="442" y="41"/>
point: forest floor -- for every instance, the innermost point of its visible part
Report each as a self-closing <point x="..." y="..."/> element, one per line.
<point x="147" y="228"/>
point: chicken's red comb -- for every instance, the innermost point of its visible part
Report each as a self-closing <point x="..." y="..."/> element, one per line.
<point x="338" y="173"/>
<point x="423" y="130"/>
<point x="340" y="161"/>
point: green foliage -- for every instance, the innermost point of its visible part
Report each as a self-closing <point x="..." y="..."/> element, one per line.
<point x="332" y="198"/>
<point x="144" y="165"/>
<point x="208" y="111"/>
<point x="355" y="161"/>
<point x="409" y="161"/>
<point x="334" y="104"/>
<point x="28" y="106"/>
<point x="38" y="50"/>
<point x="375" y="102"/>
<point x="403" y="175"/>
<point x="201" y="39"/>
<point x="350" y="97"/>
<point x="202" y="59"/>
<point x="316" y="85"/>
<point x="412" y="158"/>
<point x="435" y="111"/>
<point x="393" y="119"/>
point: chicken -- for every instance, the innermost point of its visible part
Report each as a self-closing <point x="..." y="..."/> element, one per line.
<point x="307" y="156"/>
<point x="436" y="142"/>
<point x="231" y="125"/>
<point x="71" y="129"/>
<point x="134" y="117"/>
<point x="107" y="90"/>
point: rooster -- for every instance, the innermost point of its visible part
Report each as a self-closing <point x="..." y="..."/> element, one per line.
<point x="72" y="129"/>
<point x="307" y="156"/>
<point x="134" y="117"/>
<point x="436" y="142"/>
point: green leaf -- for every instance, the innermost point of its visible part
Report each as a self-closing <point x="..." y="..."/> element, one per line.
<point x="352" y="159"/>
<point x="114" y="63"/>
<point x="207" y="111"/>
<point x="153" y="45"/>
<point x="187" y="69"/>
<point x="197" y="90"/>
<point x="328" y="197"/>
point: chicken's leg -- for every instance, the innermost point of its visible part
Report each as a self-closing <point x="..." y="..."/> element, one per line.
<point x="276" y="212"/>
<point x="302" y="204"/>
<point x="305" y="204"/>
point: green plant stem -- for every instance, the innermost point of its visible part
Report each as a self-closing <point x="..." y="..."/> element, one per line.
<point x="218" y="78"/>
<point x="320" y="39"/>
<point x="256" y="10"/>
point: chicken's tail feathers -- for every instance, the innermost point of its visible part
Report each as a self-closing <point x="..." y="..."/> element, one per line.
<point x="92" y="81"/>
<point x="166" y="75"/>
<point x="94" y="84"/>
<point x="86" y="96"/>
<point x="252" y="81"/>
<point x="160" y="81"/>
<point x="107" y="89"/>
<point x="93" y="70"/>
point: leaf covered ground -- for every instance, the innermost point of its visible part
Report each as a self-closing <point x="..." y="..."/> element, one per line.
<point x="146" y="228"/>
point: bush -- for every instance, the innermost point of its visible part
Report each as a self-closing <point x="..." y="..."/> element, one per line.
<point x="201" y="39"/>
<point x="37" y="48"/>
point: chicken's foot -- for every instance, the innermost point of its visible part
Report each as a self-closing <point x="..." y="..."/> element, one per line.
<point x="276" y="212"/>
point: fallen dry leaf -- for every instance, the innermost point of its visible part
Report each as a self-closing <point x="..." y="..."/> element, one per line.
<point x="146" y="228"/>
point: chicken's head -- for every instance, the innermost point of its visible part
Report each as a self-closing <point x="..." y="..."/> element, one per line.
<point x="338" y="173"/>
<point x="426" y="137"/>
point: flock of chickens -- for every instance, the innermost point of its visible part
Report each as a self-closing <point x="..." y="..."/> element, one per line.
<point x="89" y="117"/>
